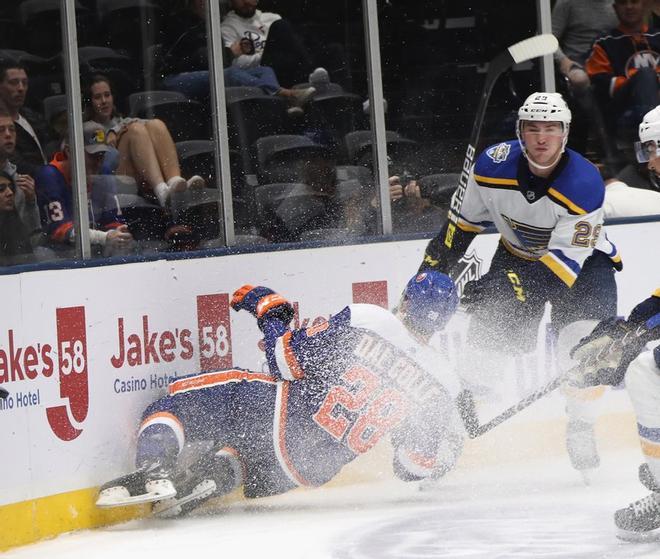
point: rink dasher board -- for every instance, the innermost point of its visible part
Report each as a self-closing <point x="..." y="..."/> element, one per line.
<point x="83" y="360"/>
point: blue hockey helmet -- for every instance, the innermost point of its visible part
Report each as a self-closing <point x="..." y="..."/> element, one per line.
<point x="429" y="301"/>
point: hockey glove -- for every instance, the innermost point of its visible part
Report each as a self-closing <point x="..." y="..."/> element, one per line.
<point x="264" y="304"/>
<point x="604" y="355"/>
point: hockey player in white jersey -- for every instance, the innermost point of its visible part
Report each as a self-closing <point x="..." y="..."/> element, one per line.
<point x="614" y="351"/>
<point x="546" y="202"/>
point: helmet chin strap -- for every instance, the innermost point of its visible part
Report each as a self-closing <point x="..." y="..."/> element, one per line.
<point x="538" y="165"/>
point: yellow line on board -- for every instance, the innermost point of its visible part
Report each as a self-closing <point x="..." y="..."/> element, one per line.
<point x="38" y="519"/>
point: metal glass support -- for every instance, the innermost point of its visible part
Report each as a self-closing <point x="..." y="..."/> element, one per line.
<point x="544" y="17"/>
<point x="220" y="126"/>
<point x="377" y="112"/>
<point x="76" y="142"/>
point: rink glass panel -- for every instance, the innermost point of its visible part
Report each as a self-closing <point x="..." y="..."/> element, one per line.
<point x="434" y="58"/>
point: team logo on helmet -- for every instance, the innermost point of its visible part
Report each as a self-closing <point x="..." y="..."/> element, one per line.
<point x="499" y="153"/>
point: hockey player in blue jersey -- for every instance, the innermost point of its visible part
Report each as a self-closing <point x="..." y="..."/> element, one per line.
<point x="616" y="350"/>
<point x="332" y="391"/>
<point x="546" y="202"/>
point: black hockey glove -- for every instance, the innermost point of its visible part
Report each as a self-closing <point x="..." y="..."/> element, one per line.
<point x="605" y="354"/>
<point x="264" y="304"/>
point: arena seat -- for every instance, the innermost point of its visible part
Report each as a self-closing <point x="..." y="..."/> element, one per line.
<point x="279" y="157"/>
<point x="251" y="115"/>
<point x="186" y="119"/>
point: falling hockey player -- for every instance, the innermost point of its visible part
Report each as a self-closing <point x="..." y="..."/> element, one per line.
<point x="332" y="392"/>
<point x="546" y="201"/>
<point x="616" y="350"/>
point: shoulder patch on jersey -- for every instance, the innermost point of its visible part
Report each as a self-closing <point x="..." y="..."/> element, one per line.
<point x="499" y="153"/>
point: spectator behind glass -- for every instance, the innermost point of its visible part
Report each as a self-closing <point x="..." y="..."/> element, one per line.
<point x="577" y="24"/>
<point x="623" y="67"/>
<point x="15" y="246"/>
<point x="24" y="194"/>
<point x="264" y="38"/>
<point x="30" y="128"/>
<point x="146" y="149"/>
<point x="186" y="64"/>
<point x="55" y="198"/>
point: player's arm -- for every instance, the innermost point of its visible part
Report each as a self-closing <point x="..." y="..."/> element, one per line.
<point x="429" y="442"/>
<point x="445" y="250"/>
<point x="273" y="313"/>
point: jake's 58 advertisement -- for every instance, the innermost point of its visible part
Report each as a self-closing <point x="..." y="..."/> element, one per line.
<point x="30" y="371"/>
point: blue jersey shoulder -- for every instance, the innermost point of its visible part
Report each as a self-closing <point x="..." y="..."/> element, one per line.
<point x="49" y="181"/>
<point x="499" y="160"/>
<point x="580" y="183"/>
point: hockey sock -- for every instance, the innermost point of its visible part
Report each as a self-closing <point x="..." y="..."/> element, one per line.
<point x="643" y="384"/>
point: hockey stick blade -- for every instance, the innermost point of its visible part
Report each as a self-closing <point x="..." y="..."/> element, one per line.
<point x="540" y="45"/>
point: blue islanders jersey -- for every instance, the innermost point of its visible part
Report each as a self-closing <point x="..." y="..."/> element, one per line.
<point x="559" y="226"/>
<point x="55" y="200"/>
<point x="334" y="390"/>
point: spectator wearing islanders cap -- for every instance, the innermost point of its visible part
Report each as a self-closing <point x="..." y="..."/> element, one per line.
<point x="55" y="198"/>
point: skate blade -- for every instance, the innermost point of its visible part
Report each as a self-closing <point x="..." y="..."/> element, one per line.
<point x="119" y="496"/>
<point x="170" y="508"/>
<point x="638" y="537"/>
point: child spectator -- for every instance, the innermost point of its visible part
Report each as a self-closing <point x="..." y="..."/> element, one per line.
<point x="55" y="198"/>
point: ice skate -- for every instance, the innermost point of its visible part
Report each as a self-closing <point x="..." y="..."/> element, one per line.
<point x="189" y="495"/>
<point x="640" y="520"/>
<point x="215" y="473"/>
<point x="581" y="447"/>
<point x="647" y="479"/>
<point x="138" y="487"/>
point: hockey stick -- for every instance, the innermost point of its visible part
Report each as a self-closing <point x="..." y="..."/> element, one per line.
<point x="467" y="408"/>
<point x="540" y="45"/>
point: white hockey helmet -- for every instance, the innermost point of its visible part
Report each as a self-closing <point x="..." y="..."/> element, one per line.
<point x="649" y="131"/>
<point x="544" y="107"/>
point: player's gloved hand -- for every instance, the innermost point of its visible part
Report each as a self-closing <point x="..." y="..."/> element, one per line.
<point x="604" y="355"/>
<point x="262" y="303"/>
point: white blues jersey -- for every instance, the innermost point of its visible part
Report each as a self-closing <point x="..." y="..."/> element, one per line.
<point x="557" y="221"/>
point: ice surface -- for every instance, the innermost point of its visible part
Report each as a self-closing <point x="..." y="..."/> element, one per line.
<point x="538" y="509"/>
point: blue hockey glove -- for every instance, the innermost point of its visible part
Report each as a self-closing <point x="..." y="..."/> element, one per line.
<point x="262" y="303"/>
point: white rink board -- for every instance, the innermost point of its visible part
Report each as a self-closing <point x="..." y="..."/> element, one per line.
<point x="162" y="303"/>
